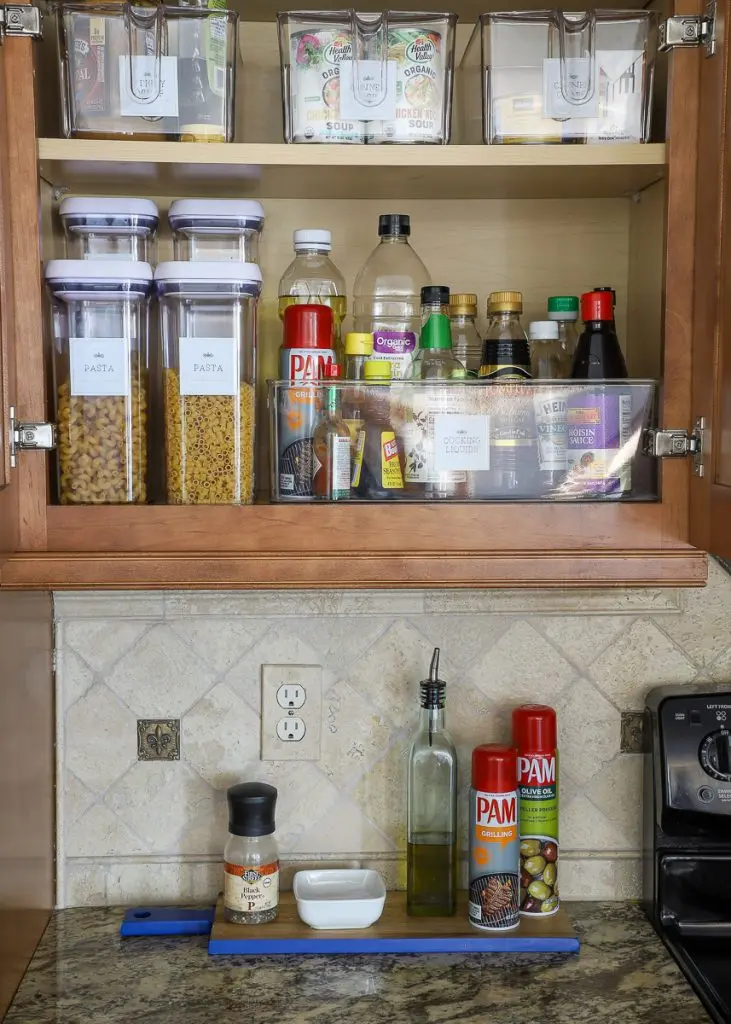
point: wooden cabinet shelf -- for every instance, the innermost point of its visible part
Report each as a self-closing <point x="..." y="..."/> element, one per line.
<point x="275" y="170"/>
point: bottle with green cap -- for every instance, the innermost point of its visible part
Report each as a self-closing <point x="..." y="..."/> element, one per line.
<point x="378" y="461"/>
<point x="435" y="359"/>
<point x="564" y="309"/>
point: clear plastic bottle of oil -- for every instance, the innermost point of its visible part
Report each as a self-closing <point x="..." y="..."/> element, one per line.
<point x="313" y="277"/>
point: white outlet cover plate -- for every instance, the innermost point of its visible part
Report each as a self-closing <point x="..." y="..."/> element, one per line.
<point x="309" y="677"/>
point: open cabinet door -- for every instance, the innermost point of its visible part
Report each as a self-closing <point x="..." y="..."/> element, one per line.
<point x="26" y="627"/>
<point x="710" y="507"/>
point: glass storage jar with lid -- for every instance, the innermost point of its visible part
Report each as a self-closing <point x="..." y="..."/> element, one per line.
<point x="109" y="228"/>
<point x="208" y="323"/>
<point x="99" y="316"/>
<point x="216" y="229"/>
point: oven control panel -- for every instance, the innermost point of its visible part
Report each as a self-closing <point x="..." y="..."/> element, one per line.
<point x="696" y="752"/>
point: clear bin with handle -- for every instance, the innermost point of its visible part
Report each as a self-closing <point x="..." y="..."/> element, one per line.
<point x="147" y="71"/>
<point x="367" y="78"/>
<point x="559" y="77"/>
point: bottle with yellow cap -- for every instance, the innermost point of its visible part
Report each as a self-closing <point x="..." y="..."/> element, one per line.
<point x="513" y="469"/>
<point x="358" y="349"/>
<point x="466" y="340"/>
<point x="378" y="472"/>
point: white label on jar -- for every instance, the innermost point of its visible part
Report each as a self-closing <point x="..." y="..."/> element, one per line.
<point x="372" y="93"/>
<point x="577" y="95"/>
<point x="251" y="890"/>
<point x="341" y="464"/>
<point x="461" y="442"/>
<point x="550" y="411"/>
<point x="152" y="90"/>
<point x="99" y="367"/>
<point x="209" y="366"/>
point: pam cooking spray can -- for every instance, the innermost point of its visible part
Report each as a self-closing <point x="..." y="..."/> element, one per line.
<point x="534" y="735"/>
<point x="304" y="359"/>
<point x="494" y="842"/>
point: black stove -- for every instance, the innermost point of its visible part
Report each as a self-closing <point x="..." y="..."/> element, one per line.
<point x="687" y="835"/>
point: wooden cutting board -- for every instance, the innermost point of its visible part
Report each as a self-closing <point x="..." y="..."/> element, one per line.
<point x="394" y="932"/>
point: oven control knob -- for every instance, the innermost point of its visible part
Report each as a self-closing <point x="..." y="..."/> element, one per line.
<point x="715" y="755"/>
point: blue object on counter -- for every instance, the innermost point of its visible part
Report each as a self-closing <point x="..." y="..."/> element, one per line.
<point x="167" y="921"/>
<point x="364" y="943"/>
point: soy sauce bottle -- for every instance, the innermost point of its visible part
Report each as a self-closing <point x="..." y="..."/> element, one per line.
<point x="598" y="355"/>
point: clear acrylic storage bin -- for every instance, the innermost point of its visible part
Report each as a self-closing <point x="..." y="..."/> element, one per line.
<point x="559" y="77"/>
<point x="367" y="78"/>
<point x="147" y="71"/>
<point x="109" y="228"/>
<point x="216" y="229"/>
<point x="470" y="440"/>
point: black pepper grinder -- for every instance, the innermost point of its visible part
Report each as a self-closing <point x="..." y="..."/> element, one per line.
<point x="251" y="858"/>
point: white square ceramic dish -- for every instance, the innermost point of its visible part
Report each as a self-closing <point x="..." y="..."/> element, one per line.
<point x="339" y="898"/>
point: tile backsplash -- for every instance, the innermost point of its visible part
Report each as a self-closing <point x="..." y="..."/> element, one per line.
<point x="132" y="829"/>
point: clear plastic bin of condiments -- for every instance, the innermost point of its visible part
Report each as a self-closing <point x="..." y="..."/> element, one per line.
<point x="109" y="228"/>
<point x="147" y="71"/>
<point x="474" y="440"/>
<point x="554" y="76"/>
<point x="216" y="229"/>
<point x="99" y="318"/>
<point x="208" y="324"/>
<point x="367" y="78"/>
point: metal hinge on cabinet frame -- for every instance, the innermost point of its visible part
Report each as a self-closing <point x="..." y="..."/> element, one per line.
<point x="676" y="444"/>
<point x="29" y="437"/>
<point x="690" y="30"/>
<point x="20" y="20"/>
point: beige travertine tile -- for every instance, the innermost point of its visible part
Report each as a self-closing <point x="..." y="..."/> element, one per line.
<point x="587" y="878"/>
<point x="617" y="791"/>
<point x="703" y="629"/>
<point x="101" y="642"/>
<point x="461" y="638"/>
<point x="340" y="640"/>
<point x="279" y="646"/>
<point x="344" y="828"/>
<point x="520" y="667"/>
<point x="585" y="827"/>
<point x="641" y="658"/>
<point x="220" y="642"/>
<point x="588" y="732"/>
<point x="392" y="869"/>
<point x="220" y="737"/>
<point x="353" y="735"/>
<point x="381" y="793"/>
<point x="304" y="795"/>
<point x="628" y="878"/>
<point x="718" y="673"/>
<point x="75" y="797"/>
<point x="148" y="882"/>
<point x="95" y="604"/>
<point x="73" y="677"/>
<point x="256" y="603"/>
<point x="100" y="738"/>
<point x="582" y="638"/>
<point x="617" y="601"/>
<point x="389" y="673"/>
<point x="100" y="833"/>
<point x="161" y="677"/>
<point x="85" y="885"/>
<point x="170" y="808"/>
<point x="377" y="602"/>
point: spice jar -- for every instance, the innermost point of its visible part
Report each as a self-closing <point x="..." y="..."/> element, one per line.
<point x="99" y="313"/>
<point x="251" y="859"/>
<point x="208" y="318"/>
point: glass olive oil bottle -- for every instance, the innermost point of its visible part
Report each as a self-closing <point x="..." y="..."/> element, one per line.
<point x="431" y="865"/>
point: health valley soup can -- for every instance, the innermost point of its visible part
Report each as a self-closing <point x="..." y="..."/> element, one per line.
<point x="494" y="839"/>
<point x="534" y="735"/>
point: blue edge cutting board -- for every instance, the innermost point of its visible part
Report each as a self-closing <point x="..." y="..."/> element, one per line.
<point x="394" y="932"/>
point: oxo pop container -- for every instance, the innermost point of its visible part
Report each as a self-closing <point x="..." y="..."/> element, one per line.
<point x="109" y="228"/>
<point x="367" y="78"/>
<point x="208" y="316"/>
<point x="216" y="229"/>
<point x="553" y="76"/>
<point x="99" y="313"/>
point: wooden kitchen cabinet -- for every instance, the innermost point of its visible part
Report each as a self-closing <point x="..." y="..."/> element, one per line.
<point x="647" y="219"/>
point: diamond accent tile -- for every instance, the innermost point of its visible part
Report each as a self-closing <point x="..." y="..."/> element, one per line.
<point x="280" y="646"/>
<point x="219" y="642"/>
<point x="101" y="642"/>
<point x="582" y="638"/>
<point x="521" y="666"/>
<point x="160" y="677"/>
<point x="158" y="739"/>
<point x="641" y="658"/>
<point x="149" y="800"/>
<point x="354" y="735"/>
<point x="100" y="738"/>
<point x="221" y="736"/>
<point x="588" y="732"/>
<point x="100" y="833"/>
<point x="73" y="677"/>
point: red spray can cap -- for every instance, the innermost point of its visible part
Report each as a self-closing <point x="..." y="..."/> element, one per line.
<point x="494" y="768"/>
<point x="534" y="728"/>
<point x="597" y="306"/>
<point x="308" y="325"/>
<point x="333" y="371"/>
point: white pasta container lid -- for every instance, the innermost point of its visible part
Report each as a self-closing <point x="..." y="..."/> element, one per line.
<point x="215" y="213"/>
<point x="247" y="276"/>
<point x="87" y="278"/>
<point x="118" y="213"/>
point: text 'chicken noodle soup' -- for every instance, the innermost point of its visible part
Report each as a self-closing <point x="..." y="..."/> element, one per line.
<point x="317" y="56"/>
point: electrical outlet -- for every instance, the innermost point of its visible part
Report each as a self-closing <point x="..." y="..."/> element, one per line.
<point x="291" y="712"/>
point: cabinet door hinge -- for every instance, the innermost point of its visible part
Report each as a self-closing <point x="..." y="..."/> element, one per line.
<point x="20" y="20"/>
<point x="29" y="437"/>
<point x="690" y="30"/>
<point x="676" y="444"/>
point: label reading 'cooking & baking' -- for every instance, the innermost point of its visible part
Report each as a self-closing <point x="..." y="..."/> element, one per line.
<point x="250" y="889"/>
<point x="99" y="367"/>
<point x="209" y="366"/>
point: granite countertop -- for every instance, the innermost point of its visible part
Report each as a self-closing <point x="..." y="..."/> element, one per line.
<point x="83" y="973"/>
